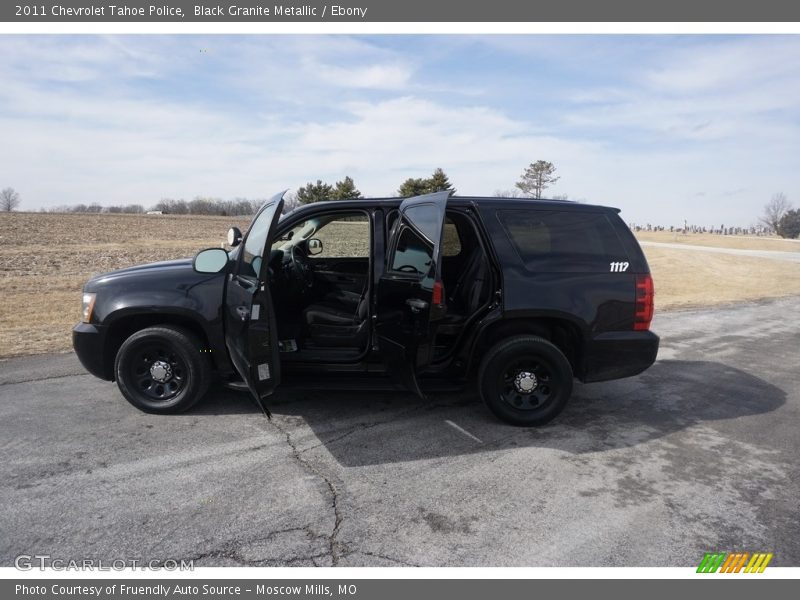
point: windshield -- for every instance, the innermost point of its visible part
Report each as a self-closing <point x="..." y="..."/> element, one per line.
<point x="257" y="238"/>
<point x="301" y="231"/>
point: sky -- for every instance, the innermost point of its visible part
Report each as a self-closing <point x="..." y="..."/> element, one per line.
<point x="664" y="127"/>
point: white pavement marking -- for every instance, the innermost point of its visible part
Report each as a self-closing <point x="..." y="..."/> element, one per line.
<point x="464" y="431"/>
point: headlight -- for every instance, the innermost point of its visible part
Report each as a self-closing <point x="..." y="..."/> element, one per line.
<point x="88" y="307"/>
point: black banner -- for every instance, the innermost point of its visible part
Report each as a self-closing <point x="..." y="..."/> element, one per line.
<point x="407" y="11"/>
<point x="386" y="589"/>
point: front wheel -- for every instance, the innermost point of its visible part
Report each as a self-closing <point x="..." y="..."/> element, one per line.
<point x="525" y="380"/>
<point x="161" y="370"/>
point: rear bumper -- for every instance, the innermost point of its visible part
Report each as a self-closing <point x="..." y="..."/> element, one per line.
<point x="619" y="354"/>
<point x="89" y="341"/>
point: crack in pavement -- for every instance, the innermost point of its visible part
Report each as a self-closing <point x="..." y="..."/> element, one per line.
<point x="233" y="551"/>
<point x="35" y="379"/>
<point x="334" y="548"/>
<point x="385" y="557"/>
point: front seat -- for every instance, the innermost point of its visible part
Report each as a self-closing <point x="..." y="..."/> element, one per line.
<point x="343" y="297"/>
<point x="468" y="293"/>
<point x="334" y="324"/>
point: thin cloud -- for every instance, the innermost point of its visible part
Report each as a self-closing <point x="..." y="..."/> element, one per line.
<point x="639" y="122"/>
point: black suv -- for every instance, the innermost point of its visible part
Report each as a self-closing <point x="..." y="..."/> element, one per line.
<point x="521" y="295"/>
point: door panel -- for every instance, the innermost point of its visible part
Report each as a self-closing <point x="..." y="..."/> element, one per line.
<point x="250" y="330"/>
<point x="348" y="274"/>
<point x="358" y="266"/>
<point x="410" y="296"/>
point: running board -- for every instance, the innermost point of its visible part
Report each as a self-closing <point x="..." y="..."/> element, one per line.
<point x="354" y="384"/>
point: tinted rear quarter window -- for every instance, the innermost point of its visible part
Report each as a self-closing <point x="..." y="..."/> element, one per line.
<point x="412" y="255"/>
<point x="555" y="241"/>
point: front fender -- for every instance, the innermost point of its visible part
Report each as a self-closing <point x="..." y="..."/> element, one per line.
<point x="196" y="305"/>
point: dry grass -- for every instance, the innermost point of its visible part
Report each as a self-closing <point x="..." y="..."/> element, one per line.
<point x="45" y="260"/>
<point x="721" y="241"/>
<point x="691" y="278"/>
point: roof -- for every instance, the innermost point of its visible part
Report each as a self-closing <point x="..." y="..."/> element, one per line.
<point x="464" y="201"/>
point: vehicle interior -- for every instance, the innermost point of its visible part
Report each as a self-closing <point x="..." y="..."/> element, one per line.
<point x="320" y="282"/>
<point x="466" y="276"/>
<point x="321" y="285"/>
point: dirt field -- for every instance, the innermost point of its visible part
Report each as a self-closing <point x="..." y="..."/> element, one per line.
<point x="46" y="258"/>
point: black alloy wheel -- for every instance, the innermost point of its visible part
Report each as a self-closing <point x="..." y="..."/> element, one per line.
<point x="525" y="380"/>
<point x="527" y="383"/>
<point x="158" y="370"/>
<point x="162" y="369"/>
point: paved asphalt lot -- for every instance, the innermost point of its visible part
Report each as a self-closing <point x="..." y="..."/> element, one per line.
<point x="699" y="453"/>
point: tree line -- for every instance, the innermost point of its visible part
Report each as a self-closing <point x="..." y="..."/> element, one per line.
<point x="779" y="216"/>
<point x="170" y="206"/>
<point x="537" y="177"/>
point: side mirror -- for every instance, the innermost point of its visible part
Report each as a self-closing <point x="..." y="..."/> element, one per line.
<point x="234" y="236"/>
<point x="314" y="246"/>
<point x="212" y="260"/>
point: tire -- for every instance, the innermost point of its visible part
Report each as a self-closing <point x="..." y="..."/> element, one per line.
<point x="145" y="380"/>
<point x="525" y="380"/>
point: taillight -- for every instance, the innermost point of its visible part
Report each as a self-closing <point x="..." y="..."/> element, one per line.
<point x="644" y="303"/>
<point x="438" y="293"/>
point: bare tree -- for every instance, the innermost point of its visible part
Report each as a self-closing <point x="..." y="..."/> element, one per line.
<point x="537" y="178"/>
<point x="515" y="193"/>
<point x="290" y="202"/>
<point x="774" y="210"/>
<point x="9" y="199"/>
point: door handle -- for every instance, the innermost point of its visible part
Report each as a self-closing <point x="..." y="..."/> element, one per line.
<point x="416" y="304"/>
<point x="243" y="312"/>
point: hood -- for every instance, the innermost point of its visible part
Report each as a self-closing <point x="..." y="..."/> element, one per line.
<point x="174" y="267"/>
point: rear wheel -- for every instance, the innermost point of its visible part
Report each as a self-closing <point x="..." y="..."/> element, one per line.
<point x="525" y="380"/>
<point x="161" y="370"/>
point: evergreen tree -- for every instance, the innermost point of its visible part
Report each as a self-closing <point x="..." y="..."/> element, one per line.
<point x="314" y="192"/>
<point x="439" y="182"/>
<point x="789" y="225"/>
<point x="416" y="186"/>
<point x="413" y="187"/>
<point x="345" y="189"/>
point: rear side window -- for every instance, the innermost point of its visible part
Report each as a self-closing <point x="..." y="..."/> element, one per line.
<point x="451" y="240"/>
<point x="553" y="241"/>
<point x="413" y="255"/>
<point x="426" y="218"/>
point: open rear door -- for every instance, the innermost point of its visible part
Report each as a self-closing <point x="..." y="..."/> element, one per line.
<point x="410" y="295"/>
<point x="250" y="331"/>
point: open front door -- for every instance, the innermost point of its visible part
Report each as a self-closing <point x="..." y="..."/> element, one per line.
<point x="250" y="331"/>
<point x="410" y="295"/>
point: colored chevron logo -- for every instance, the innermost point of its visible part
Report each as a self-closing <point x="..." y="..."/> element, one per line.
<point x="734" y="562"/>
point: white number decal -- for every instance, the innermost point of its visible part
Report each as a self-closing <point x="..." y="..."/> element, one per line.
<point x="619" y="267"/>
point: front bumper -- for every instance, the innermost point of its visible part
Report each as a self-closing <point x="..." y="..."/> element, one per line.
<point x="619" y="354"/>
<point x="89" y="343"/>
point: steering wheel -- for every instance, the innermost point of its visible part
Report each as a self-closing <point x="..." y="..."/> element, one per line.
<point x="301" y="268"/>
<point x="408" y="269"/>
